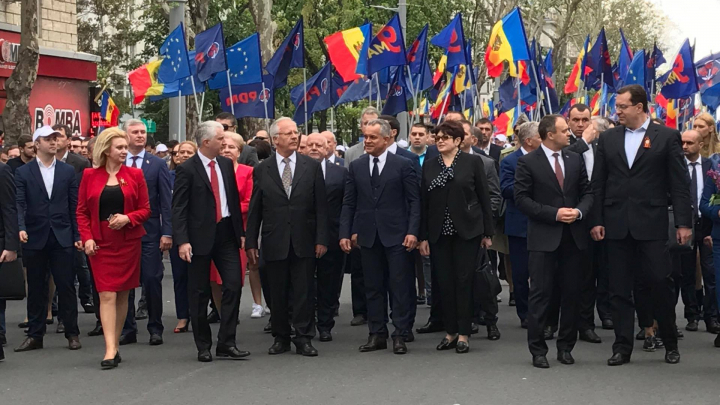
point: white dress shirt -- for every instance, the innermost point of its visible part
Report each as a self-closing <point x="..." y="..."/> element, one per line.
<point x="633" y="139"/>
<point x="699" y="174"/>
<point x="48" y="175"/>
<point x="331" y="159"/>
<point x="522" y="149"/>
<point x="381" y="162"/>
<point x="224" y="209"/>
<point x="549" y="154"/>
<point x="281" y="165"/>
<point x="129" y="160"/>
<point x="486" y="150"/>
<point x="64" y="158"/>
<point x="589" y="158"/>
<point x="322" y="164"/>
<point x="392" y="148"/>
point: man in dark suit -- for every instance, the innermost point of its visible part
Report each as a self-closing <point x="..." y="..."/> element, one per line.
<point x="515" y="221"/>
<point x="552" y="189"/>
<point x="27" y="152"/>
<point x="248" y="156"/>
<point x="638" y="164"/>
<point x="289" y="200"/>
<point x="686" y="261"/>
<point x="330" y="149"/>
<point x="330" y="266"/>
<point x="486" y="128"/>
<point x="158" y="237"/>
<point x="46" y="199"/>
<point x="393" y="147"/>
<point x="9" y="230"/>
<point x="208" y="227"/>
<point x="381" y="211"/>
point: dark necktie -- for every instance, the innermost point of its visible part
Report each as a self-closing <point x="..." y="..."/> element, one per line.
<point x="134" y="159"/>
<point x="558" y="170"/>
<point x="694" y="188"/>
<point x="375" y="178"/>
<point x="215" y="185"/>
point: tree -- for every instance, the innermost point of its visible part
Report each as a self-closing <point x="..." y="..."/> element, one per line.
<point x="16" y="119"/>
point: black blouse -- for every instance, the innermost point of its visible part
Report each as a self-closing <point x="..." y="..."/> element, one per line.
<point x="112" y="201"/>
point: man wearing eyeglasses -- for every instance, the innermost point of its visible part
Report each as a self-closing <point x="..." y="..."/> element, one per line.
<point x="639" y="164"/>
<point x="248" y="156"/>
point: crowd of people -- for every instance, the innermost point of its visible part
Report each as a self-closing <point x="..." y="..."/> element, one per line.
<point x="577" y="215"/>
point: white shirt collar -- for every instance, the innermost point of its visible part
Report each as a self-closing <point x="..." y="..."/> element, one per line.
<point x="381" y="158"/>
<point x="204" y="159"/>
<point x="42" y="165"/>
<point x="140" y="155"/>
<point x="522" y="149"/>
<point x="67" y="152"/>
<point x="331" y="158"/>
<point x="392" y="148"/>
<point x="549" y="152"/>
<point x="699" y="160"/>
<point x="279" y="158"/>
<point x="643" y="127"/>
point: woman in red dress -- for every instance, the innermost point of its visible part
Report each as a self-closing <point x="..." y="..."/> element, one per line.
<point x="112" y="206"/>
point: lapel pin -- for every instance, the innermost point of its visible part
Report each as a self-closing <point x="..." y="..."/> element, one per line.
<point x="147" y="161"/>
<point x="646" y="143"/>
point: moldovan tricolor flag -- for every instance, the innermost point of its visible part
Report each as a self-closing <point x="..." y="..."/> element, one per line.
<point x="508" y="43"/>
<point x="345" y="47"/>
<point x="579" y="70"/>
<point x="144" y="81"/>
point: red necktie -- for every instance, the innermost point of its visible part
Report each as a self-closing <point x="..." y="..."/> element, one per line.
<point x="215" y="184"/>
<point x="558" y="170"/>
<point x="134" y="159"/>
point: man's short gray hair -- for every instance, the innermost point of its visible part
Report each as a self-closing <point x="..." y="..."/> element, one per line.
<point x="274" y="127"/>
<point x="385" y="129"/>
<point x="477" y="133"/>
<point x="207" y="130"/>
<point x="602" y="124"/>
<point x="369" y="110"/>
<point x="526" y="131"/>
<point x="131" y="123"/>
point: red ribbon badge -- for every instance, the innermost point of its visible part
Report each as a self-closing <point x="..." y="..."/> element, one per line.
<point x="646" y="143"/>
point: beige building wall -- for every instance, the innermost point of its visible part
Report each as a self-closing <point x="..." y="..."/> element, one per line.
<point x="57" y="21"/>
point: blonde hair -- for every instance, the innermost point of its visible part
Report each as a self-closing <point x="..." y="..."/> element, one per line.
<point x="103" y="143"/>
<point x="711" y="147"/>
<point x="237" y="138"/>
<point x="179" y="146"/>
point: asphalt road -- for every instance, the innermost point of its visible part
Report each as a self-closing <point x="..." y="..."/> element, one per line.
<point x="492" y="373"/>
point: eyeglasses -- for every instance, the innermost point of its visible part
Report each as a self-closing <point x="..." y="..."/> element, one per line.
<point x="442" y="137"/>
<point x="227" y="127"/>
<point x="173" y="153"/>
<point x="623" y="107"/>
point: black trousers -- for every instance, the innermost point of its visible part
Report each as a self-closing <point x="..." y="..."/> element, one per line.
<point x="357" y="284"/>
<point x="291" y="282"/>
<point x="455" y="260"/>
<point x="436" y="308"/>
<point x="684" y="266"/>
<point x="519" y="259"/>
<point x="58" y="261"/>
<point x="653" y="272"/>
<point x="226" y="256"/>
<point x="389" y="269"/>
<point x="594" y="292"/>
<point x="151" y="275"/>
<point x="328" y="281"/>
<point x="548" y="272"/>
<point x="83" y="277"/>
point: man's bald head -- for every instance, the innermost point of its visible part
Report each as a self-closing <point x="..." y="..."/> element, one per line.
<point x="331" y="142"/>
<point x="317" y="146"/>
<point x="692" y="143"/>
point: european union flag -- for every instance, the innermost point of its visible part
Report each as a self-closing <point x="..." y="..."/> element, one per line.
<point x="452" y="38"/>
<point x="636" y="72"/>
<point x="210" y="52"/>
<point x="183" y="86"/>
<point x="680" y="81"/>
<point x="249" y="100"/>
<point x="318" y="96"/>
<point x="175" y="64"/>
<point x="396" y="100"/>
<point x="624" y="60"/>
<point x="387" y="48"/>
<point x="244" y="64"/>
<point x="290" y="54"/>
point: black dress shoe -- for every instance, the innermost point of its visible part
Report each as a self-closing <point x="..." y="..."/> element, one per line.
<point x="511" y="301"/>
<point x="3" y="339"/>
<point x="375" y="342"/>
<point x="23" y="324"/>
<point x="640" y="335"/>
<point x="618" y="359"/>
<point x="399" y="346"/>
<point x="462" y="347"/>
<point x="156" y="340"/>
<point x="548" y="333"/>
<point x="430" y="327"/>
<point x="128" y="339"/>
<point x="97" y="331"/>
<point x="60" y="327"/>
<point x="446" y="344"/>
<point x="679" y="334"/>
<point x="712" y="326"/>
<point x="279" y="348"/>
<point x="74" y="343"/>
<point x="49" y="321"/>
<point x="141" y="314"/>
<point x="223" y="352"/>
<point x="590" y="336"/>
<point x="410" y="337"/>
<point x="692" y="326"/>
<point x="607" y="324"/>
<point x="306" y="349"/>
<point x="358" y="320"/>
<point x="474" y="329"/>
<point x="493" y="333"/>
<point x="649" y="345"/>
<point x="204" y="356"/>
<point x="540" y="362"/>
<point x="420" y="301"/>
<point x="565" y="357"/>
<point x="213" y="317"/>
<point x="89" y="308"/>
<point x="672" y="356"/>
<point x="29" y="344"/>
<point x="325" y="336"/>
<point x="717" y="341"/>
<point x="117" y="357"/>
<point x="659" y="344"/>
<point x="268" y="327"/>
<point x="109" y="363"/>
<point x="523" y="323"/>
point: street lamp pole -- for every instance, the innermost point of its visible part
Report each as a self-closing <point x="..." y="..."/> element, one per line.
<point x="177" y="104"/>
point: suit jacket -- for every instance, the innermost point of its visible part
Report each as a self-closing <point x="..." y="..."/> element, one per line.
<point x="709" y="212"/>
<point x="539" y="196"/>
<point x="248" y="156"/>
<point x="704" y="227"/>
<point x="38" y="214"/>
<point x="193" y="204"/>
<point x="466" y="196"/>
<point x="135" y="196"/>
<point x="515" y="221"/>
<point x="301" y="220"/>
<point x="395" y="212"/>
<point x="339" y="161"/>
<point x="157" y="178"/>
<point x="335" y="179"/>
<point x="433" y="153"/>
<point x="633" y="201"/>
<point x="15" y="163"/>
<point x="495" y="152"/>
<point x="493" y="181"/>
<point x="78" y="163"/>
<point x="9" y="230"/>
<point x="354" y="152"/>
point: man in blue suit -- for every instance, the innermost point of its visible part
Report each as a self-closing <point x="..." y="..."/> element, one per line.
<point x="515" y="221"/>
<point x="159" y="233"/>
<point x="381" y="211"/>
<point x="46" y="200"/>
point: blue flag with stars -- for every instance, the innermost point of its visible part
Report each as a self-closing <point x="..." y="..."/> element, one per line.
<point x="183" y="86"/>
<point x="175" y="64"/>
<point x="244" y="64"/>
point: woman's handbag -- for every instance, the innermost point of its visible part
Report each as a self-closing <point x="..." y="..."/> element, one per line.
<point x="486" y="277"/>
<point x="12" y="280"/>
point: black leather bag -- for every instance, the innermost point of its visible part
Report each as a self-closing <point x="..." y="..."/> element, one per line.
<point x="12" y="280"/>
<point x="486" y="277"/>
<point x="672" y="236"/>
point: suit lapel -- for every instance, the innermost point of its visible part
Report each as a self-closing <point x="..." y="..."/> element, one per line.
<point x="227" y="178"/>
<point x="197" y="163"/>
<point x="56" y="180"/>
<point x="272" y="170"/>
<point x="549" y="170"/>
<point x="651" y="133"/>
<point x="35" y="170"/>
<point x="569" y="168"/>
<point x="300" y="169"/>
<point x="389" y="165"/>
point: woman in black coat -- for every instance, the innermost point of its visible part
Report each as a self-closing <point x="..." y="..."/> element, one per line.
<point x="456" y="224"/>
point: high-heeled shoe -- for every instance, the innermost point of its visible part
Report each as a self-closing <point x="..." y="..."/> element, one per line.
<point x="462" y="347"/>
<point x="183" y="329"/>
<point x="446" y="344"/>
<point x="117" y="357"/>
<point x="107" y="364"/>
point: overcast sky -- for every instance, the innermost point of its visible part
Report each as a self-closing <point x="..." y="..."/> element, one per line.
<point x="692" y="19"/>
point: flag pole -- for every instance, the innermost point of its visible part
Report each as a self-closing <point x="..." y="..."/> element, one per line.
<point x="377" y="81"/>
<point x="197" y="105"/>
<point x="232" y="105"/>
<point x="602" y="84"/>
<point x="179" y="112"/>
<point x="412" y="90"/>
<point x="266" y="110"/>
<point x="304" y="98"/>
<point x="332" y="120"/>
<point x="537" y="85"/>
<point x="517" y="87"/>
